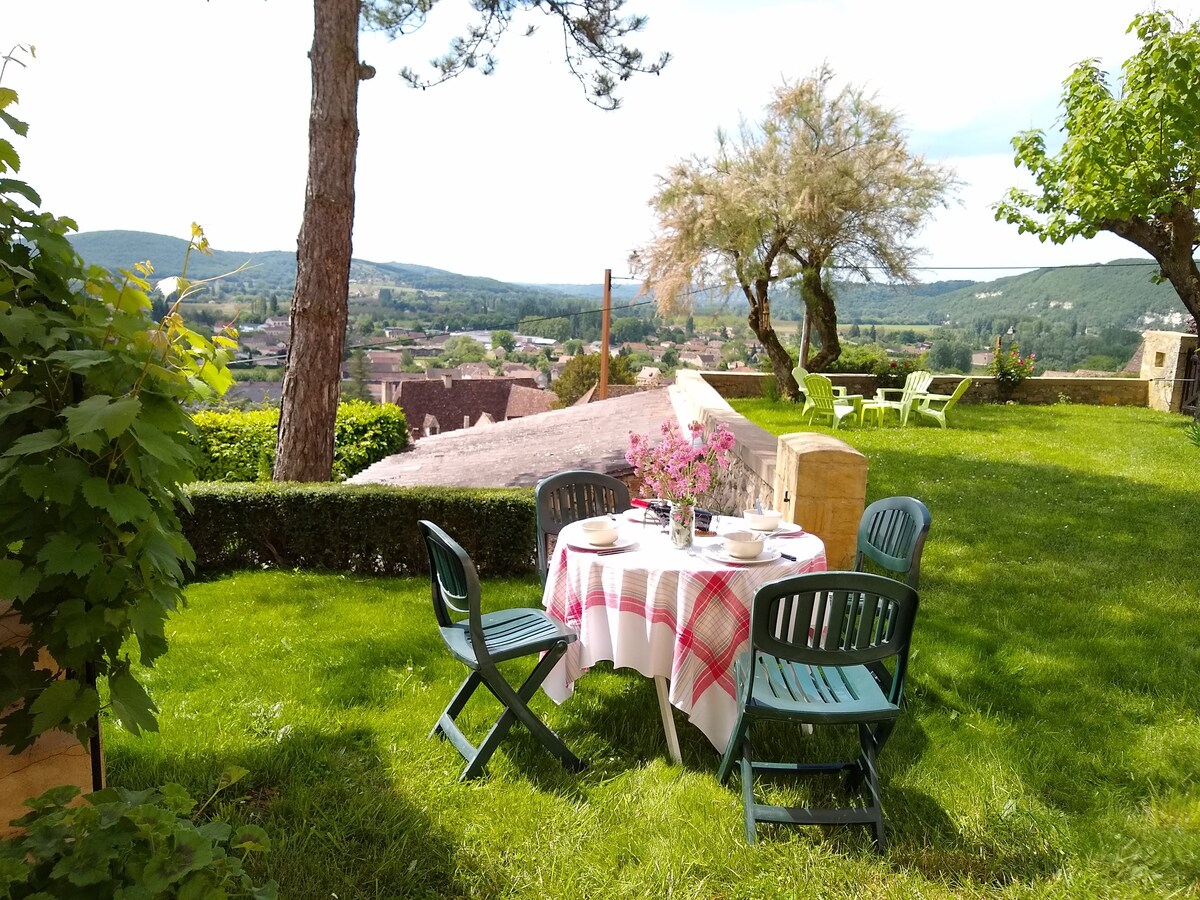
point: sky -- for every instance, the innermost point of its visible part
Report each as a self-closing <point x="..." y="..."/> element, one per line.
<point x="148" y="115"/>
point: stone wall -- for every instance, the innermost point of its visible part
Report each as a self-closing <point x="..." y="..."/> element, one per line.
<point x="1164" y="356"/>
<point x="1093" y="391"/>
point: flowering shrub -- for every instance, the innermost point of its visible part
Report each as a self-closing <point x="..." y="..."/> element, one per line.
<point x="681" y="467"/>
<point x="1010" y="368"/>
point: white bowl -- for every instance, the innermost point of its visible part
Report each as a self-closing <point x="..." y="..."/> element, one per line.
<point x="743" y="544"/>
<point x="600" y="531"/>
<point x="767" y="520"/>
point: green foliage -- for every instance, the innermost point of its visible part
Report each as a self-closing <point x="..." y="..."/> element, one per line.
<point x="872" y="359"/>
<point x="1193" y="433"/>
<point x="504" y="340"/>
<point x="237" y="445"/>
<point x="1130" y="161"/>
<point x="370" y="529"/>
<point x="94" y="445"/>
<point x="1010" y="368"/>
<point x="582" y="373"/>
<point x="126" y="844"/>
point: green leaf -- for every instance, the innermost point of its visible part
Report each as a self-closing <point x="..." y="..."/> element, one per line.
<point x="16" y="402"/>
<point x="178" y="800"/>
<point x="38" y="442"/>
<point x="251" y="838"/>
<point x="17" y="582"/>
<point x="128" y="504"/>
<point x="132" y="704"/>
<point x="9" y="160"/>
<point x="81" y="360"/>
<point x="96" y="492"/>
<point x="54" y="704"/>
<point x="101" y="413"/>
<point x="231" y="775"/>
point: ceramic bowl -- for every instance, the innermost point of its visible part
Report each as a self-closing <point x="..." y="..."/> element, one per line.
<point x="767" y="520"/>
<point x="743" y="544"/>
<point x="600" y="531"/>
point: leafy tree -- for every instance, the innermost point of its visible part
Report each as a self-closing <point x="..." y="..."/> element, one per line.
<point x="504" y="339"/>
<point x="594" y="32"/>
<point x="460" y="349"/>
<point x="573" y="347"/>
<point x="825" y="180"/>
<point x="1130" y="162"/>
<point x="95" y="445"/>
<point x="582" y="373"/>
<point x="359" y="369"/>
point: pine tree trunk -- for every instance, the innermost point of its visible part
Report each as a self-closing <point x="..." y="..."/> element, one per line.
<point x="312" y="379"/>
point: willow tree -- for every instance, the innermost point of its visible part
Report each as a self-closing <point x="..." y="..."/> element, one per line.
<point x="594" y="32"/>
<point x="1130" y="163"/>
<point x="824" y="183"/>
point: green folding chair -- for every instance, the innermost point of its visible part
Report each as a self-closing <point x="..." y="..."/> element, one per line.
<point x="891" y="538"/>
<point x="479" y="642"/>
<point x="821" y="402"/>
<point x="812" y="638"/>
<point x="568" y="497"/>
<point x="800" y="373"/>
<point x="944" y="403"/>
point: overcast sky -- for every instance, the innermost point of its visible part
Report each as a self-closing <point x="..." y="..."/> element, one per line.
<point x="151" y="114"/>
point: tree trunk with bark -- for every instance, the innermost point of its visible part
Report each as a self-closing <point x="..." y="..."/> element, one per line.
<point x="312" y="378"/>
<point x="823" y="314"/>
<point x="1171" y="242"/>
<point x="759" y="321"/>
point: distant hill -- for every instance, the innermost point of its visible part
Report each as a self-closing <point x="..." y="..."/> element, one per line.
<point x="1119" y="293"/>
<point x="1115" y="294"/>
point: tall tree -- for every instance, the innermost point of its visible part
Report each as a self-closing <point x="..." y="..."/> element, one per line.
<point x="594" y="33"/>
<point x="825" y="181"/>
<point x="1130" y="162"/>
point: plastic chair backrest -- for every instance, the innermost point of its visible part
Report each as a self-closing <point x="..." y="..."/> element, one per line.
<point x="836" y="619"/>
<point x="891" y="534"/>
<point x="819" y="389"/>
<point x="958" y="392"/>
<point x="570" y="496"/>
<point x="454" y="583"/>
<point x="917" y="382"/>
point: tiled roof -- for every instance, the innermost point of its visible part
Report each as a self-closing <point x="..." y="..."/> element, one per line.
<point x="527" y="401"/>
<point x="456" y="403"/>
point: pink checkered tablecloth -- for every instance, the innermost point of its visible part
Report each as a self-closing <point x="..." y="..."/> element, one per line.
<point x="666" y="613"/>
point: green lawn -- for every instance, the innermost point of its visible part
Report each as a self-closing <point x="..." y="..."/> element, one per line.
<point x="1051" y="747"/>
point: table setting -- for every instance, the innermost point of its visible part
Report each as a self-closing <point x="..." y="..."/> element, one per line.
<point x="667" y="599"/>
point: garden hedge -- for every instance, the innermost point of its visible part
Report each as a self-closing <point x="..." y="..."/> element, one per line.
<point x="239" y="445"/>
<point x="368" y="529"/>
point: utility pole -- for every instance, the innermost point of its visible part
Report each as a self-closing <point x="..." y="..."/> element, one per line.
<point x="606" y="316"/>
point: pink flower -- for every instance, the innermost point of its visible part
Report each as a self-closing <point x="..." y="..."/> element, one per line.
<point x="682" y="465"/>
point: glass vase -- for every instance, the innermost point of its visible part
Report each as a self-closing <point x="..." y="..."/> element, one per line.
<point x="683" y="525"/>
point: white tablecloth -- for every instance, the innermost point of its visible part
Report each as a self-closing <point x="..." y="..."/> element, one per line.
<point x="666" y="613"/>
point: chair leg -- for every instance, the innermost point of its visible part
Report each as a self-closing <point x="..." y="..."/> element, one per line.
<point x="748" y="794"/>
<point x="456" y="704"/>
<point x="517" y="705"/>
<point x="868" y="763"/>
<point x="732" y="750"/>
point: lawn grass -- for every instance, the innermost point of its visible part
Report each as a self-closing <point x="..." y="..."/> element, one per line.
<point x="1051" y="747"/>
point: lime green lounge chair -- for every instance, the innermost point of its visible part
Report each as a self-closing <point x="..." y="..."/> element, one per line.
<point x="935" y="406"/>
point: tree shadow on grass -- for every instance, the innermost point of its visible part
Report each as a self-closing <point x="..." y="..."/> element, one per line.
<point x="338" y="825"/>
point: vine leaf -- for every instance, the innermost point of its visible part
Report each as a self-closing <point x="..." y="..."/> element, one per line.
<point x="101" y="412"/>
<point x="132" y="704"/>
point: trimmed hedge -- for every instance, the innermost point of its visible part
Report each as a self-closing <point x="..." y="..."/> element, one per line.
<point x="368" y="529"/>
<point x="239" y="445"/>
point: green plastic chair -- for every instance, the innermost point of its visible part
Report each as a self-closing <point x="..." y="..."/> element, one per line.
<point x="800" y="373"/>
<point x="568" y="497"/>
<point x="818" y="391"/>
<point x="812" y="638"/>
<point x="945" y="403"/>
<point x="891" y="538"/>
<point x="915" y="386"/>
<point x="479" y="642"/>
